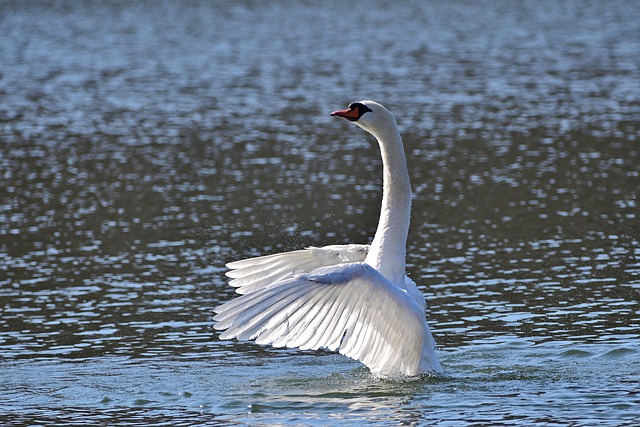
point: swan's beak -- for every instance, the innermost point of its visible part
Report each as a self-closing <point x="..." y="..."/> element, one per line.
<point x="351" y="114"/>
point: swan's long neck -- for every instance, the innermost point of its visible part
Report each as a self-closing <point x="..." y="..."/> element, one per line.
<point x="388" y="249"/>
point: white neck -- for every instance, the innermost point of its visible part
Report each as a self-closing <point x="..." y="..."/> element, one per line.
<point x="388" y="249"/>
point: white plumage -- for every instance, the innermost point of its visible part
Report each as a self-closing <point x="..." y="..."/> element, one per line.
<point x="354" y="299"/>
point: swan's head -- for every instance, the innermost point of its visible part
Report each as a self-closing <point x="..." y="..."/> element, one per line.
<point x="369" y="115"/>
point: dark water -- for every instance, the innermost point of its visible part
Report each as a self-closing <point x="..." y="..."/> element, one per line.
<point x="145" y="144"/>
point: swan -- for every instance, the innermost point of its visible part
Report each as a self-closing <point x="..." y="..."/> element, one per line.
<point x="354" y="299"/>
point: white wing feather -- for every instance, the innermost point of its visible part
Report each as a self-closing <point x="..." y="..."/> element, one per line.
<point x="348" y="307"/>
<point x="254" y="273"/>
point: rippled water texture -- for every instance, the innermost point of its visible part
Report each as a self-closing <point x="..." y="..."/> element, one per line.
<point x="145" y="144"/>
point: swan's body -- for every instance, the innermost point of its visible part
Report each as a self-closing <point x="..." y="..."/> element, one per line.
<point x="354" y="299"/>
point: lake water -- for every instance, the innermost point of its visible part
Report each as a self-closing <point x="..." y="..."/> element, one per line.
<point x="145" y="144"/>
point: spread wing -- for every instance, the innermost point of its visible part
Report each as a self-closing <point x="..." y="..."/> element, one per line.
<point x="255" y="273"/>
<point x="349" y="308"/>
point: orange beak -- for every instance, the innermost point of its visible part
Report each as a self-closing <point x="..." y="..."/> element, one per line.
<point x="351" y="114"/>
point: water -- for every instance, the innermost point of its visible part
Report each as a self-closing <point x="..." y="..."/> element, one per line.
<point x="145" y="144"/>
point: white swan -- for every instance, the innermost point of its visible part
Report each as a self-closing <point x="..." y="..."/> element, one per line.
<point x="355" y="299"/>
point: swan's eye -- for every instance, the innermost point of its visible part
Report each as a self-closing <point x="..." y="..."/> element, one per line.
<point x="361" y="108"/>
